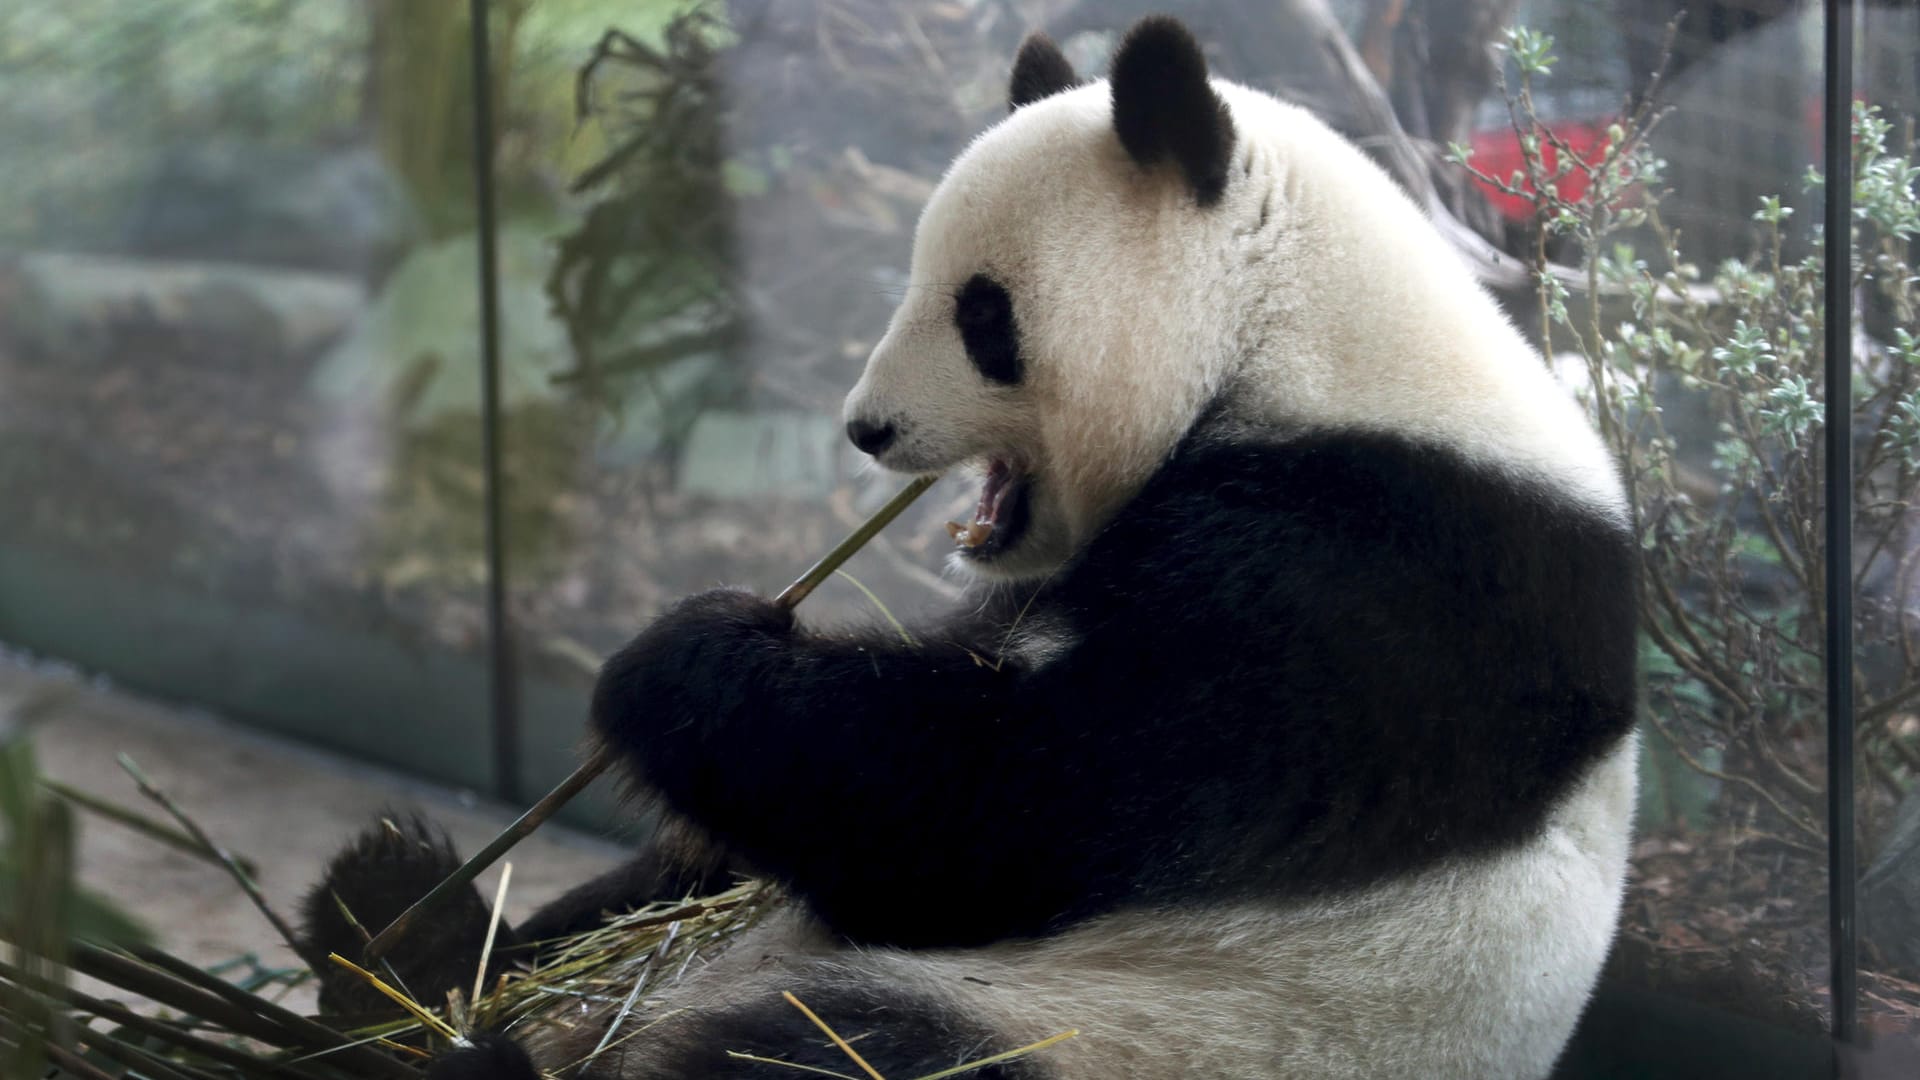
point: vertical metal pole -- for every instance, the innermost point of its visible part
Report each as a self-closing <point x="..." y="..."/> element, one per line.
<point x="502" y="684"/>
<point x="1838" y="298"/>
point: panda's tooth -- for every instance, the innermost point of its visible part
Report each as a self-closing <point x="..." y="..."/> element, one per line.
<point x="970" y="536"/>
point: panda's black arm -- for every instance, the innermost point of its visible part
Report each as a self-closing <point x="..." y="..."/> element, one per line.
<point x="893" y="784"/>
<point x="1296" y="666"/>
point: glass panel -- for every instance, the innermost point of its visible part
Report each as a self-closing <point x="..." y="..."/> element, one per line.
<point x="1692" y="325"/>
<point x="1707" y="331"/>
<point x="1886" y="561"/>
<point x="1719" y="399"/>
<point x="237" y="362"/>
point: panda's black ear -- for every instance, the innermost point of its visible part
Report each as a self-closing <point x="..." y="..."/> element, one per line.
<point x="1040" y="70"/>
<point x="1163" y="106"/>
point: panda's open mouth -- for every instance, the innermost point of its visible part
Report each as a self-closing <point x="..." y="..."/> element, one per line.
<point x="998" y="518"/>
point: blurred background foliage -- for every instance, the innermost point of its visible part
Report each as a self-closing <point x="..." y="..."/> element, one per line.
<point x="113" y="95"/>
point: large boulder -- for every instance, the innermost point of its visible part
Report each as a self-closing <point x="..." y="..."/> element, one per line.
<point x="234" y="199"/>
<point x="74" y="309"/>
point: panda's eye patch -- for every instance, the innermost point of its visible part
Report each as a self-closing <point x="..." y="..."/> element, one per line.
<point x="983" y="312"/>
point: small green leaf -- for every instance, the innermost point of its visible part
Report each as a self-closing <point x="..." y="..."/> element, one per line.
<point x="1532" y="51"/>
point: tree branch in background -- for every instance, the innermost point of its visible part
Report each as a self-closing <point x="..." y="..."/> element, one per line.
<point x="1367" y="115"/>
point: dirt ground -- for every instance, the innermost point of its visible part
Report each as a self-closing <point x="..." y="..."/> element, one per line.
<point x="284" y="806"/>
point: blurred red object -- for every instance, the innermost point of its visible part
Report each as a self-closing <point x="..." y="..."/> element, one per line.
<point x="1496" y="152"/>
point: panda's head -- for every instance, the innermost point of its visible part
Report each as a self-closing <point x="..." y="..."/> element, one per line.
<point x="1061" y="330"/>
<point x="1117" y="258"/>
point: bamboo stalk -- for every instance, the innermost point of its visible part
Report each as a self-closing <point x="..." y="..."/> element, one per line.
<point x="804" y="585"/>
<point x="151" y="791"/>
<point x="142" y="1061"/>
<point x="74" y="1063"/>
<point x="602" y="759"/>
<point x="536" y="815"/>
<point x="146" y="826"/>
<point x="493" y="928"/>
<point x="104" y="1045"/>
<point x="405" y="1001"/>
<point x="366" y="939"/>
<point x="167" y="989"/>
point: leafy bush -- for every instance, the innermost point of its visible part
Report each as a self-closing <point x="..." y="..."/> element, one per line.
<point x="1708" y="386"/>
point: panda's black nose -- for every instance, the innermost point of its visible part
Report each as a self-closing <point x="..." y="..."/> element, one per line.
<point x="870" y="437"/>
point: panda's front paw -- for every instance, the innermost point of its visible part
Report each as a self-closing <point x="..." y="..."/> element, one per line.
<point x="486" y="1056"/>
<point x="673" y="688"/>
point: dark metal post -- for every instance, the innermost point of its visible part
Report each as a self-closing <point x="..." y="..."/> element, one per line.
<point x="502" y="685"/>
<point x="1838" y="229"/>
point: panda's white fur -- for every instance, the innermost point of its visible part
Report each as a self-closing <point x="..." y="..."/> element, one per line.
<point x="1305" y="297"/>
<point x="1316" y="287"/>
<point x="1473" y="970"/>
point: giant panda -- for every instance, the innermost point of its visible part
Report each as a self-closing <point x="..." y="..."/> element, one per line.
<point x="1285" y="730"/>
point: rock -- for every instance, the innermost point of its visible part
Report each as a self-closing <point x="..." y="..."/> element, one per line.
<point x="409" y="370"/>
<point x="1890" y="890"/>
<point x="415" y="353"/>
<point x="335" y="209"/>
<point x="80" y="308"/>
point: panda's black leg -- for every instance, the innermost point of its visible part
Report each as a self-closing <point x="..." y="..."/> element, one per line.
<point x="899" y="1033"/>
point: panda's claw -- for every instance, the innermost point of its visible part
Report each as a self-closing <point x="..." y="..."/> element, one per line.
<point x="392" y="862"/>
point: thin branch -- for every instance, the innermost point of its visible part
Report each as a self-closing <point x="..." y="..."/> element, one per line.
<point x="1706" y="770"/>
<point x="232" y="865"/>
<point x="1809" y="792"/>
<point x="1696" y="662"/>
<point x="1886" y="706"/>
